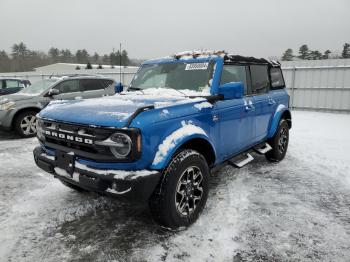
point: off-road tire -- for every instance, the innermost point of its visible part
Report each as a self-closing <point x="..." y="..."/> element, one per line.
<point x="163" y="202"/>
<point x="279" y="142"/>
<point x="20" y="121"/>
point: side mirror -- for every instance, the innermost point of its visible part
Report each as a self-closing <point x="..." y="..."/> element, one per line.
<point x="118" y="87"/>
<point x="53" y="92"/>
<point x="232" y="90"/>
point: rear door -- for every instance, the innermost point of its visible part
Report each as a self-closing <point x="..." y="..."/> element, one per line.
<point x="93" y="87"/>
<point x="278" y="94"/>
<point x="235" y="116"/>
<point x="69" y="89"/>
<point x="264" y="104"/>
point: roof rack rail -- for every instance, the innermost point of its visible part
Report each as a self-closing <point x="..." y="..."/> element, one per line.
<point x="198" y="53"/>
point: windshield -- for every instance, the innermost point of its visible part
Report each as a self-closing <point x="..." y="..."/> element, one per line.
<point x="180" y="76"/>
<point x="38" y="87"/>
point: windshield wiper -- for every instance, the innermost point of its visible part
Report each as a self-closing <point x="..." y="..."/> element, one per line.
<point x="180" y="92"/>
<point x="136" y="89"/>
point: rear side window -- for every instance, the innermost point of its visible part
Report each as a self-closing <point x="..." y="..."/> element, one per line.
<point x="12" y="83"/>
<point x="91" y="84"/>
<point x="69" y="86"/>
<point x="106" y="83"/>
<point x="234" y="73"/>
<point x="260" y="79"/>
<point x="277" y="81"/>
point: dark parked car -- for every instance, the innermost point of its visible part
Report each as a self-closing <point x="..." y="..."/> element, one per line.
<point x="12" y="85"/>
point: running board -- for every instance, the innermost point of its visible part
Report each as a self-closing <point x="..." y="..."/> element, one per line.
<point x="242" y="162"/>
<point x="263" y="149"/>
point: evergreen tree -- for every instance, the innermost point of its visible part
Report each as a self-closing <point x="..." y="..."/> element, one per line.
<point x="326" y="54"/>
<point x="106" y="59"/>
<point x="346" y="51"/>
<point x="19" y="57"/>
<point x="54" y="54"/>
<point x="5" y="62"/>
<point x="314" y="55"/>
<point x="66" y="56"/>
<point x="303" y="52"/>
<point x="288" y="55"/>
<point x="82" y="56"/>
<point x="125" y="58"/>
<point x="88" y="66"/>
<point x="99" y="66"/>
<point x="96" y="58"/>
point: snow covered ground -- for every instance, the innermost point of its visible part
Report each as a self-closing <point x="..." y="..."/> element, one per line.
<point x="296" y="210"/>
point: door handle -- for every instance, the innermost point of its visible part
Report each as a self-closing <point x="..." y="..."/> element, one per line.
<point x="271" y="101"/>
<point x="249" y="106"/>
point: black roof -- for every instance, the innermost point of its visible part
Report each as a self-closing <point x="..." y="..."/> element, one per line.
<point x="250" y="60"/>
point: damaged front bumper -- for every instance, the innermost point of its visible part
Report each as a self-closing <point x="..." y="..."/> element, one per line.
<point x="136" y="185"/>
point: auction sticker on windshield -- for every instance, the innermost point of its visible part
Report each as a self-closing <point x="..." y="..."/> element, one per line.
<point x="197" y="66"/>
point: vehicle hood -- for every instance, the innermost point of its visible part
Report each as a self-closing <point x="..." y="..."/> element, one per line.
<point x="113" y="111"/>
<point x="15" y="97"/>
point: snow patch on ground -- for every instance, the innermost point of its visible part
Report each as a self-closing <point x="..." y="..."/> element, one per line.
<point x="295" y="210"/>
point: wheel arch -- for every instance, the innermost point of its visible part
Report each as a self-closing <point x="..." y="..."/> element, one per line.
<point x="20" y="111"/>
<point x="196" y="142"/>
<point x="282" y="112"/>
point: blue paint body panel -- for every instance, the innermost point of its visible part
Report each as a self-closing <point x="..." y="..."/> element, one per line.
<point x="230" y="126"/>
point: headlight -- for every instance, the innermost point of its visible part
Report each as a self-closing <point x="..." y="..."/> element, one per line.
<point x="120" y="144"/>
<point x="39" y="130"/>
<point x="7" y="106"/>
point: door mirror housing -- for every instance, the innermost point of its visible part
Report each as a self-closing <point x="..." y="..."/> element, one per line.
<point x="118" y="87"/>
<point x="53" y="92"/>
<point x="232" y="90"/>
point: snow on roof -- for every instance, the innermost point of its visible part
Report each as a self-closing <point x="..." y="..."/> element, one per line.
<point x="192" y="54"/>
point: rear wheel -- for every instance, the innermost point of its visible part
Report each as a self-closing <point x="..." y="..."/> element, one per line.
<point x="183" y="192"/>
<point x="279" y="142"/>
<point x="25" y="124"/>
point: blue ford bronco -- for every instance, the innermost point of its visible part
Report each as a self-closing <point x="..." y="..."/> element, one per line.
<point x="157" y="141"/>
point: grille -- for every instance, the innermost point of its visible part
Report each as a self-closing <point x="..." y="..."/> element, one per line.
<point x="78" y="139"/>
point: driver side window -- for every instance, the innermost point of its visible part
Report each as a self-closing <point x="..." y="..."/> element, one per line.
<point x="234" y="73"/>
<point x="69" y="86"/>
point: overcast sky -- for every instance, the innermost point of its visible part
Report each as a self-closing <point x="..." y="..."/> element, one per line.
<point x="153" y="28"/>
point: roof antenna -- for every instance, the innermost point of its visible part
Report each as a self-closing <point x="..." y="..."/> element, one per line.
<point x="51" y="75"/>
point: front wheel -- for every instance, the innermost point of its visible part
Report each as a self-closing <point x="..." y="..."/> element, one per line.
<point x="25" y="124"/>
<point x="279" y="142"/>
<point x="183" y="192"/>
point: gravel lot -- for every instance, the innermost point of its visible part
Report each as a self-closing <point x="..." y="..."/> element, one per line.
<point x="296" y="210"/>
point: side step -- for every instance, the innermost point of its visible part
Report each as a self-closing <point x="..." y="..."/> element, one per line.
<point x="240" y="162"/>
<point x="263" y="148"/>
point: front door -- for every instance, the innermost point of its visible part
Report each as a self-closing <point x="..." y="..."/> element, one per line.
<point x="235" y="116"/>
<point x="69" y="89"/>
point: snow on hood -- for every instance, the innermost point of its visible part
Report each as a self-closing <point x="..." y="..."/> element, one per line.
<point x="112" y="111"/>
